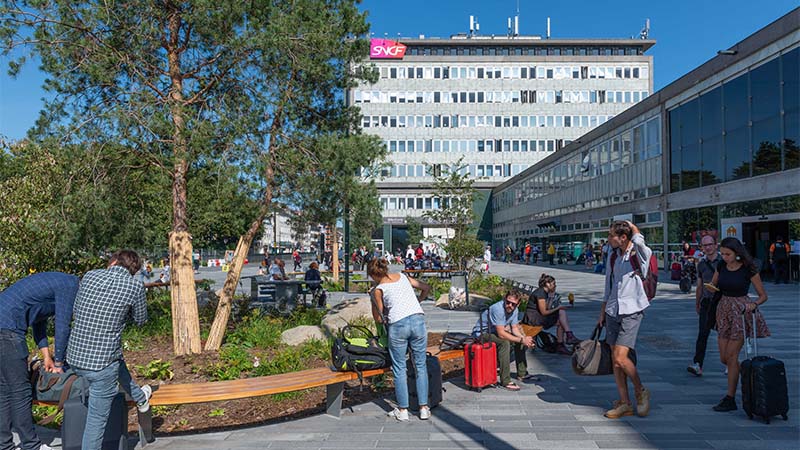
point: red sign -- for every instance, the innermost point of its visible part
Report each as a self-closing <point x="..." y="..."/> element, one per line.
<point x="386" y="49"/>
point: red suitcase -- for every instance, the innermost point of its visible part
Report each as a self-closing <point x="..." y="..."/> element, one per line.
<point x="480" y="365"/>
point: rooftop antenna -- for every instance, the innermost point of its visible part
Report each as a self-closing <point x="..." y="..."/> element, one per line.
<point x="645" y="33"/>
<point x="509" y="27"/>
<point x="548" y="28"/>
<point x="516" y="21"/>
<point x="471" y="25"/>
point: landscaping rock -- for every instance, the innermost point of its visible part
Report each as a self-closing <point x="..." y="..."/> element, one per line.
<point x="301" y="334"/>
<point x="346" y="312"/>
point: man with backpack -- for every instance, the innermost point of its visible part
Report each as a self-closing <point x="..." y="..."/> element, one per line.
<point x="624" y="301"/>
<point x="704" y="301"/>
<point x="29" y="303"/>
<point x="779" y="258"/>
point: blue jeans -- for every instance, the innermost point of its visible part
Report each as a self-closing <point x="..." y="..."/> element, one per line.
<point x="15" y="393"/>
<point x="102" y="390"/>
<point x="409" y="331"/>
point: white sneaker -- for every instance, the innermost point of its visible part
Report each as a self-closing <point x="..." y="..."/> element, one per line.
<point x="424" y="413"/>
<point x="402" y="416"/>
<point x="148" y="392"/>
<point x="46" y="447"/>
<point x="695" y="369"/>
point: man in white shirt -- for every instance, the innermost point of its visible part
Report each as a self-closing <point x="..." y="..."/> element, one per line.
<point x="487" y="257"/>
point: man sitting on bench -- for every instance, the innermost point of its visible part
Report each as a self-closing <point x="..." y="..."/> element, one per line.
<point x="500" y="324"/>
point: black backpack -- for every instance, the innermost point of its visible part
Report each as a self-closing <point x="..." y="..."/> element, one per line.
<point x="349" y="353"/>
<point x="779" y="254"/>
<point x="546" y="342"/>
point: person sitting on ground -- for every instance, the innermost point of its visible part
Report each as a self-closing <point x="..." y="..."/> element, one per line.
<point x="545" y="311"/>
<point x="500" y="324"/>
<point x="398" y="307"/>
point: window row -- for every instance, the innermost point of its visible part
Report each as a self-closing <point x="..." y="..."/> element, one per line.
<point x="645" y="218"/>
<point x="514" y="72"/>
<point x="481" y="145"/>
<point x="524" y="50"/>
<point x="747" y="126"/>
<point x="465" y="121"/>
<point x="626" y="148"/>
<point x="435" y="170"/>
<point x="522" y="96"/>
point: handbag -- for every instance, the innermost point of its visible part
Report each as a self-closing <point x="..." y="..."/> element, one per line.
<point x="55" y="387"/>
<point x="593" y="356"/>
<point x="454" y="341"/>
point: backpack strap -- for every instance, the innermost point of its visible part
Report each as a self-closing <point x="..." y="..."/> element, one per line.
<point x="61" y="401"/>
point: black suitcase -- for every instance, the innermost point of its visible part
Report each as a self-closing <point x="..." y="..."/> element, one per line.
<point x="764" y="391"/>
<point x="116" y="435"/>
<point x="434" y="382"/>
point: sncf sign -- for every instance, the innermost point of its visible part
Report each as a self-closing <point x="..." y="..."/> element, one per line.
<point x="386" y="49"/>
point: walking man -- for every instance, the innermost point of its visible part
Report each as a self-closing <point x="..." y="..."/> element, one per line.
<point x="107" y="298"/>
<point x="28" y="303"/>
<point x="706" y="310"/>
<point x="500" y="324"/>
<point x="779" y="257"/>
<point x="624" y="302"/>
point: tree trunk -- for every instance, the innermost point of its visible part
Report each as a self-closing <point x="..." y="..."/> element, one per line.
<point x="234" y="273"/>
<point x="335" y="252"/>
<point x="185" y="322"/>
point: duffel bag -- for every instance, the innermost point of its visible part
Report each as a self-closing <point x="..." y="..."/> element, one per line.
<point x="593" y="356"/>
<point x="357" y="354"/>
<point x="55" y="387"/>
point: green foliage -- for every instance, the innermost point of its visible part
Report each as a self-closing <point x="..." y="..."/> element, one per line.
<point x="414" y="230"/>
<point x="461" y="250"/>
<point x="439" y="286"/>
<point x="164" y="411"/>
<point x="159" y="320"/>
<point x="217" y="412"/>
<point x="156" y="369"/>
<point x="333" y="286"/>
<point x="42" y="411"/>
<point x="491" y="286"/>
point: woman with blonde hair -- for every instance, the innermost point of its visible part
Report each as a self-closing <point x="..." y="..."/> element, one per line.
<point x="398" y="307"/>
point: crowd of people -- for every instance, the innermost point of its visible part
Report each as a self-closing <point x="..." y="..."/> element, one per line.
<point x="91" y="313"/>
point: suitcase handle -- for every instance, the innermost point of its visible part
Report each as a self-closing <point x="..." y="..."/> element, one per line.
<point x="754" y="338"/>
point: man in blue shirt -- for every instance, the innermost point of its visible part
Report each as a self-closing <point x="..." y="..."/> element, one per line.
<point x="500" y="324"/>
<point x="28" y="303"/>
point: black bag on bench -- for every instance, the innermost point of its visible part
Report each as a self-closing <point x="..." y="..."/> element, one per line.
<point x="359" y="353"/>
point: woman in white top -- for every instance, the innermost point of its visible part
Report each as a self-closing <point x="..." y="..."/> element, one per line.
<point x="397" y="306"/>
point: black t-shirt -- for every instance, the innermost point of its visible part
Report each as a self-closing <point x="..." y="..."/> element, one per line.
<point x="734" y="283"/>
<point x="532" y="314"/>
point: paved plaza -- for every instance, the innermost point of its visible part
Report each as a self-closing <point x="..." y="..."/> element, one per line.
<point x="562" y="410"/>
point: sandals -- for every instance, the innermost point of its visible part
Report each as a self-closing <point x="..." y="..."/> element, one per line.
<point x="510" y="386"/>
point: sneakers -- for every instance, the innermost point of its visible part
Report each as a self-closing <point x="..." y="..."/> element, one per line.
<point x="424" y="413"/>
<point x="643" y="403"/>
<point x="695" y="370"/>
<point x="619" y="410"/>
<point x="571" y="339"/>
<point x="401" y="416"/>
<point x="726" y="404"/>
<point x="726" y="370"/>
<point x="45" y="447"/>
<point x="145" y="405"/>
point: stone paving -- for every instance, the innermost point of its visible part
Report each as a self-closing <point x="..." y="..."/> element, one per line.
<point x="562" y="410"/>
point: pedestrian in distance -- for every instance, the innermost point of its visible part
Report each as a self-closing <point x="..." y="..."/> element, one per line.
<point x="546" y="311"/>
<point x="624" y="302"/>
<point x="500" y="324"/>
<point x="398" y="307"/>
<point x="107" y="299"/>
<point x="705" y="304"/>
<point x="487" y="258"/>
<point x="29" y="303"/>
<point x="779" y="258"/>
<point x="551" y="253"/>
<point x="733" y="277"/>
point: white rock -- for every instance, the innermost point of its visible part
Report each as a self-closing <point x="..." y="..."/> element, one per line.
<point x="346" y="312"/>
<point x="301" y="334"/>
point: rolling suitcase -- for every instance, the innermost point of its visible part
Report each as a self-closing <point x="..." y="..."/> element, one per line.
<point x="764" y="392"/>
<point x="480" y="365"/>
<point x="435" y="388"/>
<point x="116" y="434"/>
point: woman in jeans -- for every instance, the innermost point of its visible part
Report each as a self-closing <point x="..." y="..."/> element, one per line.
<point x="397" y="306"/>
<point x="732" y="278"/>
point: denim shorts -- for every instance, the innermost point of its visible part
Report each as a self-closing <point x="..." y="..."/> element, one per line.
<point x="623" y="329"/>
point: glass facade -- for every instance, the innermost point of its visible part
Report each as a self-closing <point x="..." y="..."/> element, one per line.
<point x="746" y="127"/>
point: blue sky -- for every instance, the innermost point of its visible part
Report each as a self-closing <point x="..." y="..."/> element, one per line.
<point x="687" y="32"/>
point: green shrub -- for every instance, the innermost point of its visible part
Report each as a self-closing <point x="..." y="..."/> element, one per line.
<point x="491" y="286"/>
<point x="439" y="286"/>
<point x="156" y="370"/>
<point x="42" y="411"/>
<point x="159" y="320"/>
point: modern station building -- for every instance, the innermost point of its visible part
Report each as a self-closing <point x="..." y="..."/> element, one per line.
<point x="714" y="152"/>
<point x="498" y="104"/>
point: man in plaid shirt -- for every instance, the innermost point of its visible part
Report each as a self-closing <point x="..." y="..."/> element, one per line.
<point x="106" y="300"/>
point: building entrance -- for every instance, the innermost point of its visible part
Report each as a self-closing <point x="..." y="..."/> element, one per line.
<point x="758" y="233"/>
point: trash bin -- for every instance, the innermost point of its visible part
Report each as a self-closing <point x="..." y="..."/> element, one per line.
<point x="286" y="293"/>
<point x="460" y="280"/>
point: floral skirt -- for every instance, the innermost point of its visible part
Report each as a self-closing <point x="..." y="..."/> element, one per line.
<point x="729" y="319"/>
